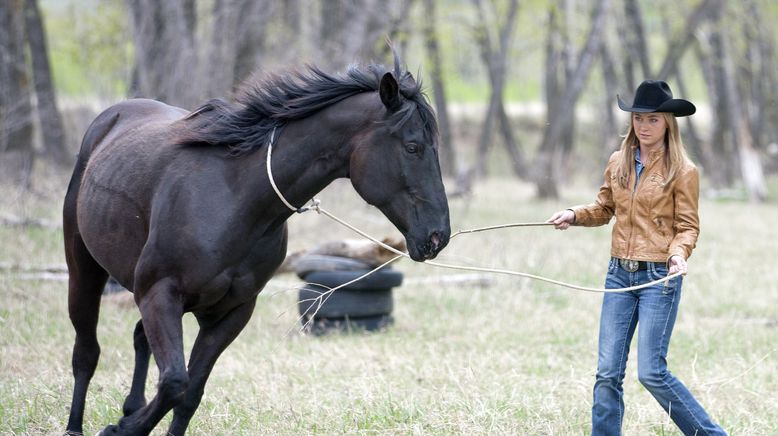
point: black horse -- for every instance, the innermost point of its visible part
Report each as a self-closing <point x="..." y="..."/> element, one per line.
<point x="179" y="208"/>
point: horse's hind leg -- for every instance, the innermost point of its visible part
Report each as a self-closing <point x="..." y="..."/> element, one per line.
<point x="136" y="399"/>
<point x="86" y="282"/>
<point x="161" y="308"/>
<point x="213" y="338"/>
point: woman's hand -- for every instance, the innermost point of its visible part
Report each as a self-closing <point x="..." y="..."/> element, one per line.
<point x="562" y="219"/>
<point x="677" y="264"/>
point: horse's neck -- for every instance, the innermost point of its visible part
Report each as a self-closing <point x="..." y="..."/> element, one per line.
<point x="310" y="153"/>
<point x="303" y="164"/>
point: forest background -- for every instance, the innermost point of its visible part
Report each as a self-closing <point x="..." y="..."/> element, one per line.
<point x="522" y="88"/>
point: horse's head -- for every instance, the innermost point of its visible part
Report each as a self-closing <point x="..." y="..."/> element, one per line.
<point x="394" y="166"/>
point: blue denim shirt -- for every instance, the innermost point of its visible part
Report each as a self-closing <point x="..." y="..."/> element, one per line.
<point x="638" y="167"/>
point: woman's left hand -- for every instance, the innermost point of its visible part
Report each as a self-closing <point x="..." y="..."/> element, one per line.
<point x="677" y="264"/>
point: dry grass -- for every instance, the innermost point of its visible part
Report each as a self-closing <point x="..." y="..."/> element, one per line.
<point x="512" y="357"/>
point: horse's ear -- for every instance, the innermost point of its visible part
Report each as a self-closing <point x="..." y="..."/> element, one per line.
<point x="390" y="92"/>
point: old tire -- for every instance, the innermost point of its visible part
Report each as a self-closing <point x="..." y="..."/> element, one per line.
<point x="344" y="302"/>
<point x="384" y="278"/>
<point x="319" y="262"/>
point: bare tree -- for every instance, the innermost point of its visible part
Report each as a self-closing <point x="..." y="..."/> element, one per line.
<point x="16" y="122"/>
<point x="678" y="44"/>
<point x="164" y="50"/>
<point x="15" y="90"/>
<point x="750" y="163"/>
<point x="49" y="117"/>
<point x="447" y="148"/>
<point x="721" y="170"/>
<point x="634" y="39"/>
<point x="757" y="75"/>
<point x="561" y="110"/>
<point x="495" y="57"/>
<point x="352" y="30"/>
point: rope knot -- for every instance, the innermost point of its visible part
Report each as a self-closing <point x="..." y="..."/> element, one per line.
<point x="315" y="202"/>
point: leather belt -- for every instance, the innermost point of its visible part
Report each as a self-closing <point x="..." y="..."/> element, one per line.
<point x="633" y="265"/>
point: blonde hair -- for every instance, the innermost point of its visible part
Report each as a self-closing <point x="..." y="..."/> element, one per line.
<point x="675" y="152"/>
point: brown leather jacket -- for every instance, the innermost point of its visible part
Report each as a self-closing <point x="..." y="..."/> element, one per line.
<point x="653" y="222"/>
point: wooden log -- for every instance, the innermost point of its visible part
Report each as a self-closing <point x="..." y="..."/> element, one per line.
<point x="360" y="249"/>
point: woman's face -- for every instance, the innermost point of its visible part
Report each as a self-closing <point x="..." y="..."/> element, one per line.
<point x="649" y="128"/>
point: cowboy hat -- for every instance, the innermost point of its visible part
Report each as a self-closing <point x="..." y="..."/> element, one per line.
<point x="656" y="96"/>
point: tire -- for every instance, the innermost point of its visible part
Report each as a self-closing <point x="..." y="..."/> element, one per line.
<point x="384" y="278"/>
<point x="319" y="262"/>
<point x="321" y="326"/>
<point x="344" y="302"/>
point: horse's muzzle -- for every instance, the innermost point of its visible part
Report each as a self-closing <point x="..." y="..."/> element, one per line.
<point x="430" y="248"/>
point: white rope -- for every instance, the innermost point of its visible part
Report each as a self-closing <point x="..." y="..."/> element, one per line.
<point x="315" y="204"/>
<point x="319" y="209"/>
<point x="270" y="173"/>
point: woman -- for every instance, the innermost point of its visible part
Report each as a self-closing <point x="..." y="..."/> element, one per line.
<point x="652" y="189"/>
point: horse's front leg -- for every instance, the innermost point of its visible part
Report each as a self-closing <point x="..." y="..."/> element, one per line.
<point x="212" y="340"/>
<point x="161" y="311"/>
<point x="136" y="398"/>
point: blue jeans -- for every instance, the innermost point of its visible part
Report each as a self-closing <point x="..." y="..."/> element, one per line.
<point x="655" y="308"/>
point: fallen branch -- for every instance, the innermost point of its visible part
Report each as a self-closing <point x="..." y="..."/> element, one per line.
<point x="30" y="269"/>
<point x="12" y="221"/>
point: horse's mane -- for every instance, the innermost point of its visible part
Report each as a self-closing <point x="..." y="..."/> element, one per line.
<point x="262" y="105"/>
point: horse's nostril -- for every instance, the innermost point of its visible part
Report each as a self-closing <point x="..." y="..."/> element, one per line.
<point x="435" y="240"/>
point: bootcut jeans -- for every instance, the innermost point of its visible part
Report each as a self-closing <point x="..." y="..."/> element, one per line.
<point x="655" y="309"/>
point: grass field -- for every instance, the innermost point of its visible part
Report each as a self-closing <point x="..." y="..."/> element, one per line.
<point x="509" y="356"/>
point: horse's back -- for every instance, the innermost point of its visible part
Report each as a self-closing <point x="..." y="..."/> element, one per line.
<point x="126" y="116"/>
<point x="113" y="182"/>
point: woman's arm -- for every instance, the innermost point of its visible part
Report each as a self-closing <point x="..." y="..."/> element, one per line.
<point x="686" y="221"/>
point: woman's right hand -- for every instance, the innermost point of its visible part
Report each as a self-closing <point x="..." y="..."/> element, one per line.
<point x="562" y="219"/>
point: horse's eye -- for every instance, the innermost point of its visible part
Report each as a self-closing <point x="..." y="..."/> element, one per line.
<point x="411" y="147"/>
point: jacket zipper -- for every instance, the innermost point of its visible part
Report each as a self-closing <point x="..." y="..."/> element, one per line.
<point x="632" y="213"/>
<point x="631" y="221"/>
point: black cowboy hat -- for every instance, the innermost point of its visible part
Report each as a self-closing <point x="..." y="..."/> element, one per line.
<point x="656" y="96"/>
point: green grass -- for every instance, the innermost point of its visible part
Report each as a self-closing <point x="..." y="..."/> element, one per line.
<point x="510" y="357"/>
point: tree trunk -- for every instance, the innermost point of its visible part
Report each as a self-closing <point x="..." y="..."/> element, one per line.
<point x="750" y="164"/>
<point x="447" y="147"/>
<point x="223" y="50"/>
<point x="719" y="172"/>
<point x="680" y="43"/>
<point x="252" y="24"/>
<point x="52" y="130"/>
<point x="609" y="128"/>
<point x="495" y="59"/>
<point x="759" y="76"/>
<point x="350" y="30"/>
<point x="16" y="128"/>
<point x="165" y="60"/>
<point x="560" y="120"/>
<point x="635" y="40"/>
<point x="400" y="26"/>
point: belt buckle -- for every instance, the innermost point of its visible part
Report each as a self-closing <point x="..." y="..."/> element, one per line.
<point x="629" y="264"/>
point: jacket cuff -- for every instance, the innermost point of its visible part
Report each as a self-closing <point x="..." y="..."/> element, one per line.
<point x="575" y="217"/>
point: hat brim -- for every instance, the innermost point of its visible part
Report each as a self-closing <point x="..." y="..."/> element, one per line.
<point x="676" y="106"/>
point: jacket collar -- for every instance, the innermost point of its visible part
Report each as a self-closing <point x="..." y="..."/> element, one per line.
<point x="653" y="156"/>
